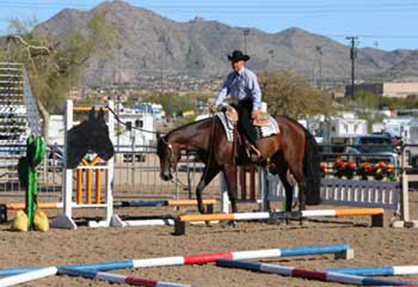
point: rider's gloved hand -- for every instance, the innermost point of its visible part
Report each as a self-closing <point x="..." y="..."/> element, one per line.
<point x="256" y="114"/>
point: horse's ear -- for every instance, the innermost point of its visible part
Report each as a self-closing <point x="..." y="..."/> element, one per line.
<point x="92" y="114"/>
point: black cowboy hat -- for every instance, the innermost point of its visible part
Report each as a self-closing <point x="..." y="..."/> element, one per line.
<point x="237" y="55"/>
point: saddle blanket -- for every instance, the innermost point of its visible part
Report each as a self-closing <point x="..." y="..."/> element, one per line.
<point x="268" y="130"/>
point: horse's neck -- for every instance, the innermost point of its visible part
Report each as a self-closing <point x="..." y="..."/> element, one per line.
<point x="191" y="137"/>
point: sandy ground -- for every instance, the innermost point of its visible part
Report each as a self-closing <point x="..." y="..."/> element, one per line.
<point x="373" y="247"/>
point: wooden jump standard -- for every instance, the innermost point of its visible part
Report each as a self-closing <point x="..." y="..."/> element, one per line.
<point x="375" y="213"/>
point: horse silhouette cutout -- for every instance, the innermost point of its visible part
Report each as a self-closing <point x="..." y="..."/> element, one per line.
<point x="90" y="136"/>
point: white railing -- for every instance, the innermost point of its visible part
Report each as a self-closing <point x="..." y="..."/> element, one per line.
<point x="346" y="192"/>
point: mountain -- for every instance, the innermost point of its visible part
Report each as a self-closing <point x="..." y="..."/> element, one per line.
<point x="404" y="69"/>
<point x="151" y="44"/>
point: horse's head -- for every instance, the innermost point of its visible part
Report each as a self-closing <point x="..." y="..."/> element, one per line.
<point x="91" y="135"/>
<point x="103" y="145"/>
<point x="168" y="155"/>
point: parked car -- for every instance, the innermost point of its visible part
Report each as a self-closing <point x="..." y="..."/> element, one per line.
<point x="373" y="148"/>
<point x="373" y="143"/>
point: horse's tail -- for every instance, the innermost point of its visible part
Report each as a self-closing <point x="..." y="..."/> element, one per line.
<point x="311" y="170"/>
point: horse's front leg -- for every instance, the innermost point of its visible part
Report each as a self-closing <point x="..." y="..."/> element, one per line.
<point x="230" y="173"/>
<point x="208" y="174"/>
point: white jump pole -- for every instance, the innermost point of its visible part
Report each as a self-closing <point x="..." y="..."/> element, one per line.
<point x="28" y="276"/>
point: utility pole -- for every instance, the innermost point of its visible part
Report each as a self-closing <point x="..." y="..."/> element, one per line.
<point x="320" y="53"/>
<point x="118" y="94"/>
<point x="353" y="56"/>
<point x="246" y="33"/>
<point x="161" y="41"/>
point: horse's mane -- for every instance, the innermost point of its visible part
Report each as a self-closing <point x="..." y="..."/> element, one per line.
<point x="161" y="139"/>
<point x="187" y="125"/>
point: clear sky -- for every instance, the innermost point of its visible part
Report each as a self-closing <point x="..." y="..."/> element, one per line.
<point x="385" y="24"/>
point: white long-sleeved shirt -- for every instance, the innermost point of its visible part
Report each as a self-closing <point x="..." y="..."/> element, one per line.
<point x="241" y="86"/>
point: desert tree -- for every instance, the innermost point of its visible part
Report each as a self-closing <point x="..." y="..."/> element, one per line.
<point x="55" y="64"/>
<point x="289" y="94"/>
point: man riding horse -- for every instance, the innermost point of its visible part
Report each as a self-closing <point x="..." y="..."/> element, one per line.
<point x="292" y="150"/>
<point x="242" y="85"/>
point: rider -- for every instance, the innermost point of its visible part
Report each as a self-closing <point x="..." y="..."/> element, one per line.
<point x="242" y="85"/>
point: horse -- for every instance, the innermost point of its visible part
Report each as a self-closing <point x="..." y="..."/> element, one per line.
<point x="91" y="135"/>
<point x="293" y="150"/>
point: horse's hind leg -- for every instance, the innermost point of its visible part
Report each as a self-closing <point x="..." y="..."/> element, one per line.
<point x="298" y="175"/>
<point x="208" y="174"/>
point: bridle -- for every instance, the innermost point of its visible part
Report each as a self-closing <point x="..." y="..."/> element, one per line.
<point x="170" y="149"/>
<point x="175" y="179"/>
<point x="211" y="138"/>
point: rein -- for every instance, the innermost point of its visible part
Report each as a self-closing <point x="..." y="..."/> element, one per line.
<point x="174" y="180"/>
<point x="117" y="118"/>
<point x="212" y="130"/>
<point x="207" y="164"/>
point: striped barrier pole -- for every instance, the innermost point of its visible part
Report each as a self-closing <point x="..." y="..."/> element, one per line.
<point x="338" y="250"/>
<point x="266" y="215"/>
<point x="145" y="203"/>
<point x="138" y="203"/>
<point x="309" y="274"/>
<point x="376" y="271"/>
<point x="28" y="276"/>
<point x="376" y="213"/>
<point x="115" y="278"/>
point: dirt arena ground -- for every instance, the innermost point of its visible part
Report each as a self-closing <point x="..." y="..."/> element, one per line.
<point x="373" y="247"/>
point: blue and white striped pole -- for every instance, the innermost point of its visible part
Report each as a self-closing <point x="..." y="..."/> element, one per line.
<point x="376" y="271"/>
<point x="28" y="276"/>
<point x="309" y="274"/>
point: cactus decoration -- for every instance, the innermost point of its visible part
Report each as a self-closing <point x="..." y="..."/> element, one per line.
<point x="28" y="173"/>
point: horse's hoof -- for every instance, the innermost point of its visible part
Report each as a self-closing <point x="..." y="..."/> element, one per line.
<point x="232" y="223"/>
<point x="274" y="221"/>
<point x="202" y="210"/>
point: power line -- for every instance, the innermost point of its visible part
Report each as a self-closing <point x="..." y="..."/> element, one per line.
<point x="267" y="9"/>
<point x="275" y="6"/>
<point x="374" y="36"/>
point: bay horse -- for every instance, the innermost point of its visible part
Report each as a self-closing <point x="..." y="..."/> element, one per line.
<point x="292" y="150"/>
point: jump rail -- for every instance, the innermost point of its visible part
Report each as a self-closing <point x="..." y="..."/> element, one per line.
<point x="115" y="278"/>
<point x="306" y="273"/>
<point x="28" y="276"/>
<point x="342" y="251"/>
<point x="377" y="215"/>
<point x="140" y="203"/>
<point x="376" y="271"/>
